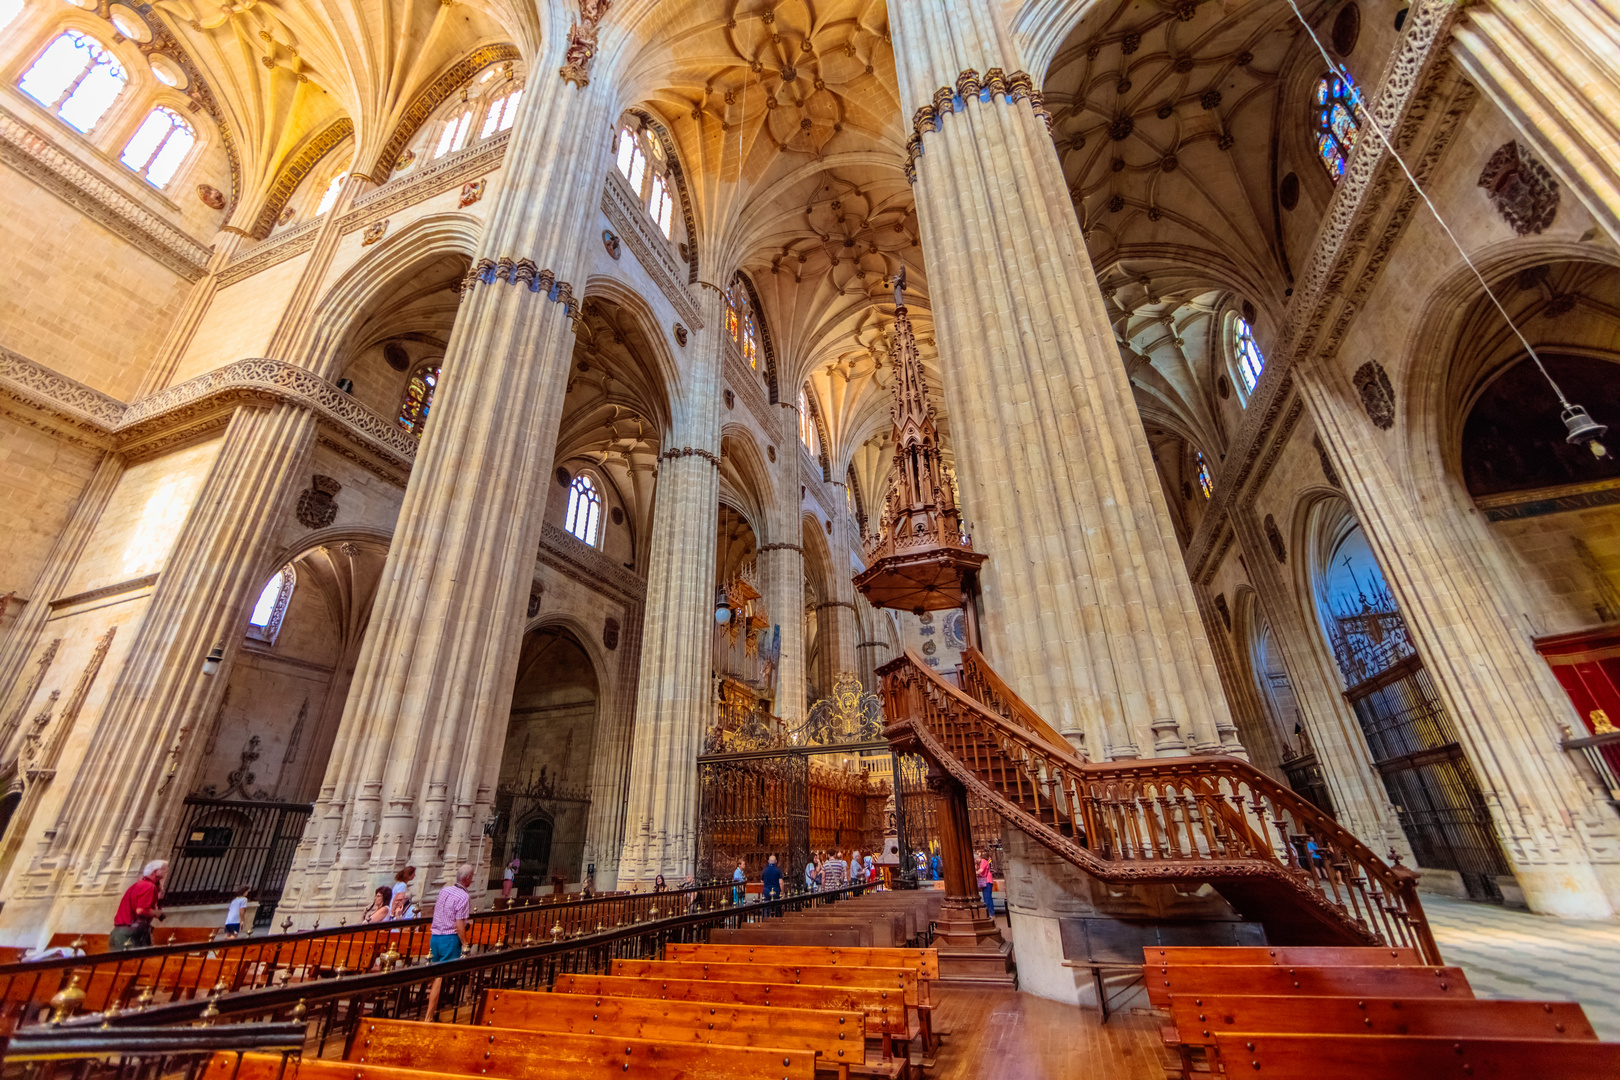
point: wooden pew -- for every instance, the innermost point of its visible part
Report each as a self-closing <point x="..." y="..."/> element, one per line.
<point x="1200" y="1018"/>
<point x="784" y="933"/>
<point x="897" y="978"/>
<point x="1269" y="979"/>
<point x="451" y="1048"/>
<point x="887" y="1015"/>
<point x="837" y="1038"/>
<point x="1282" y="955"/>
<point x="1365" y="1057"/>
<point x="224" y="1066"/>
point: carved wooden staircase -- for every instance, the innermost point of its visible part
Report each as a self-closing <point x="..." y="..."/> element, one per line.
<point x="1212" y="819"/>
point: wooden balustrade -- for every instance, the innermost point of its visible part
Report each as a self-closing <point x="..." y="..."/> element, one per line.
<point x="1202" y="818"/>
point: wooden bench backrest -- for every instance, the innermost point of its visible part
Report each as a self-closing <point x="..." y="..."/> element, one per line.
<point x="836" y="1036"/>
<point x="785" y="933"/>
<point x="1283" y="955"/>
<point x="885" y="1009"/>
<point x="875" y="978"/>
<point x="1199" y="1018"/>
<point x="452" y="1048"/>
<point x="924" y="961"/>
<point x="1364" y="1057"/>
<point x="1265" y="979"/>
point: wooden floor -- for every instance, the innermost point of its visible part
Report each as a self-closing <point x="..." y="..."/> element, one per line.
<point x="1007" y="1035"/>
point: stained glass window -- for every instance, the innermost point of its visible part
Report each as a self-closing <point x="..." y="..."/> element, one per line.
<point x="1338" y="119"/>
<point x="1250" y="360"/>
<point x="76" y="78"/>
<point x="733" y="317"/>
<point x="1205" y="484"/>
<point x="584" y="509"/>
<point x="329" y="196"/>
<point x="159" y="145"/>
<point x="750" y="340"/>
<point x="265" y="622"/>
<point x="413" y="411"/>
<point x="454" y="135"/>
<point x="501" y="113"/>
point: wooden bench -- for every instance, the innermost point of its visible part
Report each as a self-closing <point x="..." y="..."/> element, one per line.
<point x="1269" y="979"/>
<point x="888" y="1017"/>
<point x="1200" y="1018"/>
<point x="1366" y="1057"/>
<point x="227" y="1066"/>
<point x="451" y="1048"/>
<point x="837" y="1038"/>
<point x="852" y="935"/>
<point x="1282" y="955"/>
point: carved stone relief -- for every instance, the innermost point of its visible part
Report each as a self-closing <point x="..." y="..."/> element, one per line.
<point x="611" y="242"/>
<point x="472" y="191"/>
<point x="1377" y="395"/>
<point x="374" y="232"/>
<point x="610" y="633"/>
<point x="1521" y="188"/>
<point x="316" y="507"/>
<point x="211" y="196"/>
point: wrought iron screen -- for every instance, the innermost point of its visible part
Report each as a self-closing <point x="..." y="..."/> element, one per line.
<point x="224" y="846"/>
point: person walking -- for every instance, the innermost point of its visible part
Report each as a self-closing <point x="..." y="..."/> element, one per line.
<point x="936" y="868"/>
<point x="233" y="914"/>
<point x="772" y="880"/>
<point x="452" y="918"/>
<point x="509" y="879"/>
<point x="739" y="881"/>
<point x="132" y="922"/>
<point x="987" y="883"/>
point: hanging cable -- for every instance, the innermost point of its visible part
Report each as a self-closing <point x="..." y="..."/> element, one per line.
<point x="1582" y="428"/>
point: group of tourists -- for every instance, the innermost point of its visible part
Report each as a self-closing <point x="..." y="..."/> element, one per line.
<point x="827" y="871"/>
<point x="929" y="868"/>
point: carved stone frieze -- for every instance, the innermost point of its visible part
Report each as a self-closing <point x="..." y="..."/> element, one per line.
<point x="291" y="243"/>
<point x="449" y="172"/>
<point x="83" y="406"/>
<point x="568" y="554"/>
<point x="969" y="86"/>
<point x="748" y="385"/>
<point x="636" y="229"/>
<point x="522" y="272"/>
<point x="32" y="154"/>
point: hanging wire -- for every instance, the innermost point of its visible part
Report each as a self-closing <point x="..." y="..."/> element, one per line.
<point x="1582" y="428"/>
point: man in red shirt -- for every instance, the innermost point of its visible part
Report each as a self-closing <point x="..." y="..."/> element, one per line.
<point x="132" y="924"/>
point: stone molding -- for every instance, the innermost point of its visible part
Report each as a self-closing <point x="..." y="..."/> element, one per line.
<point x="119" y="589"/>
<point x="522" y="272"/>
<point x="690" y="451"/>
<point x="568" y="554"/>
<point x="29" y="152"/>
<point x="448" y="172"/>
<point x="196" y="406"/>
<point x="1518" y="505"/>
<point x="430" y="98"/>
<point x="1352" y="246"/>
<point x="631" y="222"/>
<point x="763" y="548"/>
<point x="1013" y="88"/>
<point x="294" y="241"/>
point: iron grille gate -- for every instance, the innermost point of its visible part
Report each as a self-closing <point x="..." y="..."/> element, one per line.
<point x="224" y="846"/>
<point x="1414" y="746"/>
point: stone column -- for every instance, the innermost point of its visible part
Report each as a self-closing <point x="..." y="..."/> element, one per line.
<point x="1087" y="603"/>
<point x="674" y="699"/>
<point x="1553" y="67"/>
<point x="1558" y="836"/>
<point x="145" y="744"/>
<point x="781" y="568"/>
<point x="416" y="760"/>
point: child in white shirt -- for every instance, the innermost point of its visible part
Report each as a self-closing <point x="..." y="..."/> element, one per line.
<point x="233" y="914"/>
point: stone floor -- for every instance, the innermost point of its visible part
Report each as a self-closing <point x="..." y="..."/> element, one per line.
<point x="1513" y="954"/>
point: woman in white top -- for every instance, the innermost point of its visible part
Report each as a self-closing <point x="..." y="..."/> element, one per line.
<point x="233" y="914"/>
<point x="401" y="907"/>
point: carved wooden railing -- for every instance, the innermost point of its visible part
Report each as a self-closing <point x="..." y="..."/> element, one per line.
<point x="1207" y="818"/>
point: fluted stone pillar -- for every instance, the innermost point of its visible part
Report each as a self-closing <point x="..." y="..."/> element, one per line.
<point x="122" y="805"/>
<point x="781" y="570"/>
<point x="674" y="699"/>
<point x="1553" y="68"/>
<point x="416" y="760"/>
<point x="1559" y="838"/>
<point x="1088" y="611"/>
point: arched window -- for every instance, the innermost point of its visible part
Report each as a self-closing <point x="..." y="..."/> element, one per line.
<point x="76" y="78"/>
<point x="454" y="135"/>
<point x="661" y="205"/>
<point x="501" y="113"/>
<point x="1250" y="361"/>
<point x="1338" y="119"/>
<point x="627" y="150"/>
<point x="734" y="301"/>
<point x="807" y="425"/>
<point x="265" y="622"/>
<point x="584" y="509"/>
<point x="413" y="411"/>
<point x="159" y="145"/>
<point x="1201" y="467"/>
<point x="329" y="196"/>
<point x="741" y="322"/>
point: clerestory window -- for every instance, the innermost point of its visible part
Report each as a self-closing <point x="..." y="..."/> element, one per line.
<point x="265" y="622"/>
<point x="76" y="78"/>
<point x="1337" y="113"/>
<point x="584" y="509"/>
<point x="158" y="146"/>
<point x="1250" y="360"/>
<point x="419" y="390"/>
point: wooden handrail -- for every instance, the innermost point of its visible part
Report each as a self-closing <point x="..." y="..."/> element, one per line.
<point x="1205" y="817"/>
